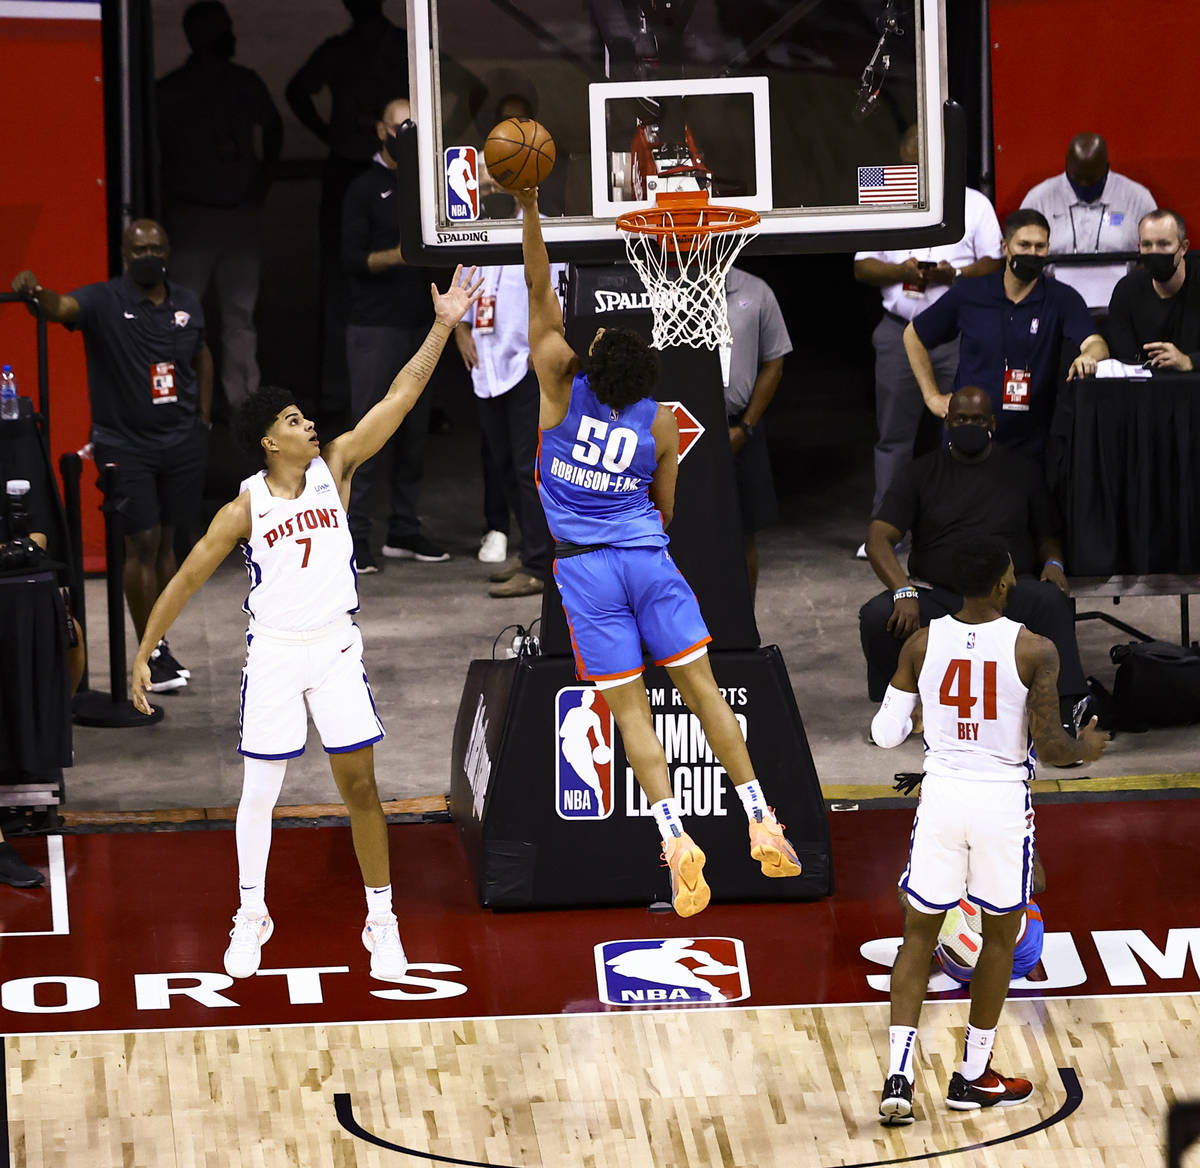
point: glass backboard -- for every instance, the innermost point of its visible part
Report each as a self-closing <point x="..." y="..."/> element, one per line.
<point x="792" y="108"/>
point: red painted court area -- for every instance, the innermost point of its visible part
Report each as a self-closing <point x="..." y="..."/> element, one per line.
<point x="130" y="930"/>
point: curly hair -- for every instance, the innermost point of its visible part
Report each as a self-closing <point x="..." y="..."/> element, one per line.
<point x="258" y="413"/>
<point x="977" y="567"/>
<point x="621" y="368"/>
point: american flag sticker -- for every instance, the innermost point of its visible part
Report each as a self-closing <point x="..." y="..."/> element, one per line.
<point x="887" y="184"/>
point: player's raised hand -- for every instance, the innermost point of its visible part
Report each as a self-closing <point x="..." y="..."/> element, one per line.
<point x="526" y="197"/>
<point x="139" y="683"/>
<point x="451" y="306"/>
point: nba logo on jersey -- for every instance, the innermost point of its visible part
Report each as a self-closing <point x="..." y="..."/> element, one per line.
<point x="462" y="184"/>
<point x="971" y="639"/>
<point x="584" y="756"/>
<point x="677" y="971"/>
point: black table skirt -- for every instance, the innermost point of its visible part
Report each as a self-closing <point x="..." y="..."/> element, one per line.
<point x="35" y="702"/>
<point x="1124" y="462"/>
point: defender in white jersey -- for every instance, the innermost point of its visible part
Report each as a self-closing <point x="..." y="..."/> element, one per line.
<point x="303" y="650"/>
<point x="989" y="693"/>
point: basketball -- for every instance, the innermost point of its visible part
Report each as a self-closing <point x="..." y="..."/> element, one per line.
<point x="519" y="153"/>
<point x="602" y="754"/>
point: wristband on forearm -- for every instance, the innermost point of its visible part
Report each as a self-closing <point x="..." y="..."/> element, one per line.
<point x="908" y="592"/>
<point x="1057" y="563"/>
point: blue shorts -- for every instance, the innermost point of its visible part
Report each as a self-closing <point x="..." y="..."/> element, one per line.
<point x="1028" y="951"/>
<point x="619" y="598"/>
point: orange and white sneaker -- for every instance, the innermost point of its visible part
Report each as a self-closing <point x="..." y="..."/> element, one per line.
<point x="689" y="891"/>
<point x="769" y="846"/>
<point x="991" y="1089"/>
<point x="247" y="937"/>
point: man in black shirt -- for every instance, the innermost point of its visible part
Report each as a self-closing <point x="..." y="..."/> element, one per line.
<point x="1154" y="315"/>
<point x="971" y="487"/>
<point x="389" y="315"/>
<point x="150" y="382"/>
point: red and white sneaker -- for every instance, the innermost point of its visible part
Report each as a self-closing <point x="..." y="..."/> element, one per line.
<point x="991" y="1089"/>
<point x="247" y="937"/>
<point x="689" y="891"/>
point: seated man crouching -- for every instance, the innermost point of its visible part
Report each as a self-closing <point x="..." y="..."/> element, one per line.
<point x="970" y="487"/>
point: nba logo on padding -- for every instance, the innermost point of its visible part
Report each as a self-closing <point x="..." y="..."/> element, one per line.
<point x="677" y="971"/>
<point x="462" y="184"/>
<point x="583" y="787"/>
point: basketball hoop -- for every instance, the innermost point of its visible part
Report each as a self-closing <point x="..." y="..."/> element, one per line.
<point x="683" y="248"/>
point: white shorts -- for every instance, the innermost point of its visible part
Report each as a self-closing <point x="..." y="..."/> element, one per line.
<point x="324" y="668"/>
<point x="971" y="837"/>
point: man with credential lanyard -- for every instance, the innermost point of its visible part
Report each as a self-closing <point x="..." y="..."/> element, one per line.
<point x="1012" y="326"/>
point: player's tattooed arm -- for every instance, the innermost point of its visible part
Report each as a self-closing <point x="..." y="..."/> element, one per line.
<point x="1037" y="663"/>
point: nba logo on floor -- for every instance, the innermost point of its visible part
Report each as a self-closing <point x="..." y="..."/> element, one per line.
<point x="583" y="771"/>
<point x="462" y="184"/>
<point x="677" y="971"/>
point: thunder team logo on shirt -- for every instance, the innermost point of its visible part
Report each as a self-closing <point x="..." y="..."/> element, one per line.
<point x="583" y="769"/>
<point x="677" y="971"/>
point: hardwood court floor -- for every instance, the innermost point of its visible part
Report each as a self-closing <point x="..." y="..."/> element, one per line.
<point x="523" y="1039"/>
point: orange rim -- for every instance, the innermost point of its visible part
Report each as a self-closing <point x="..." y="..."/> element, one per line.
<point x="686" y="215"/>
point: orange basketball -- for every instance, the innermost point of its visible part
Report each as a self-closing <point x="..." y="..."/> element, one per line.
<point x="519" y="153"/>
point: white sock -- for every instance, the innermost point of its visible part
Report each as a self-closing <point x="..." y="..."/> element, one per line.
<point x="752" y="800"/>
<point x="667" y="815"/>
<point x="902" y="1046"/>
<point x="379" y="901"/>
<point x="976" y="1051"/>
<point x="261" y="784"/>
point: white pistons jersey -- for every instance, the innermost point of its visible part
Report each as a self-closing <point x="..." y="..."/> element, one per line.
<point x="300" y="555"/>
<point x="974" y="702"/>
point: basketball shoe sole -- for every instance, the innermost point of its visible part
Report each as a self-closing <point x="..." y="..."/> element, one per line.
<point x="690" y="893"/>
<point x="895" y="1106"/>
<point x="769" y="846"/>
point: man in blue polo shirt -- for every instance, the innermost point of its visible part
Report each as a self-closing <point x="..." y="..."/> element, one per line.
<point x="1012" y="324"/>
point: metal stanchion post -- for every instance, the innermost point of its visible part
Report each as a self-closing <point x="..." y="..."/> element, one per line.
<point x="70" y="469"/>
<point x="113" y="709"/>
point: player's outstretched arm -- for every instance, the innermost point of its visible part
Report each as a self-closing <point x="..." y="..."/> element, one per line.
<point x="892" y="723"/>
<point x="229" y="526"/>
<point x="61" y="309"/>
<point x="554" y="361"/>
<point x="346" y="453"/>
<point x="1037" y="664"/>
<point x="665" y="429"/>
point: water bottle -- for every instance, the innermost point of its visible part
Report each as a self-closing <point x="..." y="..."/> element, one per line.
<point x="16" y="491"/>
<point x="10" y="408"/>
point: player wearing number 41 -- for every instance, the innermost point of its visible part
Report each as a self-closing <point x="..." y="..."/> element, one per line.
<point x="302" y="646"/>
<point x="607" y="464"/>
<point x="987" y="685"/>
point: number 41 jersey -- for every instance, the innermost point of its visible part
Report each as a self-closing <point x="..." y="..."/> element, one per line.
<point x="594" y="469"/>
<point x="974" y="702"/>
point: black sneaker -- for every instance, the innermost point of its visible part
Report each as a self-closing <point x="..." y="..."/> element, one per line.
<point x="416" y="547"/>
<point x="169" y="658"/>
<point x="162" y="676"/>
<point x="14" y="870"/>
<point x="895" y="1107"/>
<point x="991" y="1089"/>
<point x="364" y="561"/>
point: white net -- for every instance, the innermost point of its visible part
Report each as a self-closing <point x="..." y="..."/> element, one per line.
<point x="684" y="273"/>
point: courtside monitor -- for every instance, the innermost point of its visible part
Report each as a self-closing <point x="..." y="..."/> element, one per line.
<point x="795" y="109"/>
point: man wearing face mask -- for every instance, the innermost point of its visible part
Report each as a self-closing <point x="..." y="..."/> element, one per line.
<point x="1154" y="317"/>
<point x="388" y="316"/>
<point x="150" y="383"/>
<point x="971" y="486"/>
<point x="214" y="177"/>
<point x="1090" y="208"/>
<point x="1012" y="324"/>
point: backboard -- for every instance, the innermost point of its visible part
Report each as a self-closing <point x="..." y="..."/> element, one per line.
<point x="792" y="108"/>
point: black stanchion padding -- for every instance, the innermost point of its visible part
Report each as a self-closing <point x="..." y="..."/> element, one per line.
<point x="113" y="709"/>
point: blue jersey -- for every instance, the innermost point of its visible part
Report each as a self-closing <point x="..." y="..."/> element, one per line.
<point x="594" y="471"/>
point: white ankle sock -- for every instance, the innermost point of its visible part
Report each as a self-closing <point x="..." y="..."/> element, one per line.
<point x="752" y="800"/>
<point x="977" y="1049"/>
<point x="263" y="778"/>
<point x="902" y="1047"/>
<point x="379" y="901"/>
<point x="667" y="815"/>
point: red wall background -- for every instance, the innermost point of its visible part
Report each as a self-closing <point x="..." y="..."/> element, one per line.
<point x="52" y="214"/>
<point x="1122" y="68"/>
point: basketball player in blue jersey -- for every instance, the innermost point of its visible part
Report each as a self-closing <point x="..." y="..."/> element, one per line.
<point x="608" y="457"/>
<point x="988" y="686"/>
<point x="302" y="645"/>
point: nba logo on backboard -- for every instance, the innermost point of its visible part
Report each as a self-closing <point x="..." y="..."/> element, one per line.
<point x="584" y="754"/>
<point x="462" y="184"/>
<point x="676" y="971"/>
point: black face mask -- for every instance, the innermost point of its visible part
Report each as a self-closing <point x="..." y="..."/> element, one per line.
<point x="1091" y="192"/>
<point x="1160" y="265"/>
<point x="1026" y="267"/>
<point x="970" y="440"/>
<point x="393" y="147"/>
<point x="148" y="271"/>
